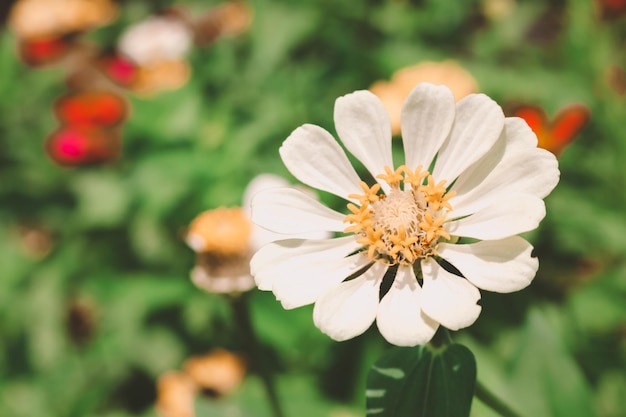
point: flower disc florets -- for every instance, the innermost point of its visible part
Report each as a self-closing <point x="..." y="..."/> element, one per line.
<point x="403" y="225"/>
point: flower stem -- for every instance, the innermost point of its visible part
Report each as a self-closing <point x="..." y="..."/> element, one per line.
<point x="488" y="398"/>
<point x="241" y="311"/>
<point x="441" y="338"/>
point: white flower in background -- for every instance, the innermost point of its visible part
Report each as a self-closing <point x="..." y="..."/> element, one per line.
<point x="157" y="39"/>
<point x="225" y="239"/>
<point x="467" y="172"/>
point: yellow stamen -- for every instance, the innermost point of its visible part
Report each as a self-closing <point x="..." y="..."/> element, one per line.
<point x="402" y="244"/>
<point x="416" y="177"/>
<point x="392" y="178"/>
<point x="372" y="239"/>
<point x="436" y="194"/>
<point x="361" y="218"/>
<point x="404" y="224"/>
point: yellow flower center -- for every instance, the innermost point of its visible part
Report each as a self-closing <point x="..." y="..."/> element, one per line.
<point x="223" y="231"/>
<point x="405" y="224"/>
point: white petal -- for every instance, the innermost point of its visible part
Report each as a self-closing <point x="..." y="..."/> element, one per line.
<point x="516" y="136"/>
<point x="348" y="309"/>
<point x="364" y="127"/>
<point x="290" y="211"/>
<point x="477" y="126"/>
<point x="314" y="157"/>
<point x="521" y="168"/>
<point x="524" y="135"/>
<point x="494" y="265"/>
<point x="476" y="173"/>
<point x="505" y="216"/>
<point x="260" y="237"/>
<point x="298" y="271"/>
<point x="298" y="287"/>
<point x="259" y="183"/>
<point x="277" y="255"/>
<point x="400" y="318"/>
<point x="427" y="117"/>
<point x="447" y="298"/>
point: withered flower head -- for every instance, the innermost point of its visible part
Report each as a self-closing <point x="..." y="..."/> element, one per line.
<point x="221" y="237"/>
<point x="175" y="395"/>
<point x="81" y="320"/>
<point x="219" y="372"/>
<point x="224" y="231"/>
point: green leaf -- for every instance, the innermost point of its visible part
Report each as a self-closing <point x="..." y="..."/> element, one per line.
<point x="103" y="198"/>
<point x="544" y="374"/>
<point x="599" y="306"/>
<point x="422" y="381"/>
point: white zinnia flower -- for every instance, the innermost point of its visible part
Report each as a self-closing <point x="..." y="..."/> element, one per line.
<point x="155" y="40"/>
<point x="468" y="172"/>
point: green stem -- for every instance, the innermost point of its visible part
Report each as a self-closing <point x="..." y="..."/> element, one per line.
<point x="441" y="338"/>
<point x="244" y="322"/>
<point x="488" y="398"/>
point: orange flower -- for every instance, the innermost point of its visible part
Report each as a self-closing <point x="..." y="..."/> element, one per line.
<point x="393" y="93"/>
<point x="228" y="19"/>
<point x="225" y="231"/>
<point x="163" y="76"/>
<point x="554" y="135"/>
<point x="176" y="392"/>
<point x="50" y="18"/>
<point x="219" y="372"/>
<point x="611" y="9"/>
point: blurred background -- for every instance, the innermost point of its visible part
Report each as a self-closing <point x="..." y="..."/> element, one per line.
<point x="115" y="136"/>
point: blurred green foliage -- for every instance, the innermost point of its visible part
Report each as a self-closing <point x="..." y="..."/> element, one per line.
<point x="556" y="349"/>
